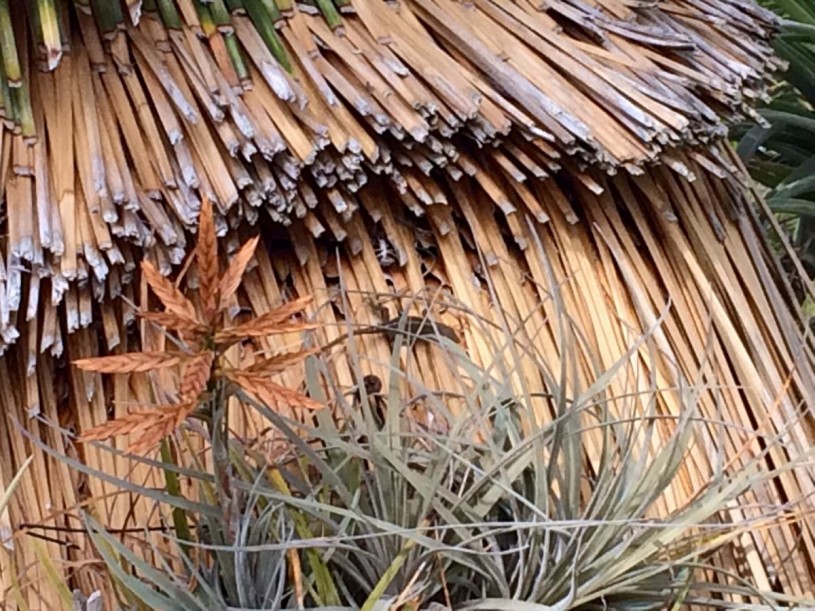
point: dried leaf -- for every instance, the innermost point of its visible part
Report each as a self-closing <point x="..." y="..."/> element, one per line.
<point x="297" y="577"/>
<point x="161" y="428"/>
<point x="256" y="329"/>
<point x="185" y="268"/>
<point x="168" y="293"/>
<point x="273" y="322"/>
<point x="206" y="254"/>
<point x="173" y="322"/>
<point x="273" y="395"/>
<point x="279" y="362"/>
<point x="115" y="428"/>
<point x="231" y="279"/>
<point x="194" y="341"/>
<point x="150" y="425"/>
<point x="151" y="437"/>
<point x="131" y="362"/>
<point x="133" y="422"/>
<point x="196" y="375"/>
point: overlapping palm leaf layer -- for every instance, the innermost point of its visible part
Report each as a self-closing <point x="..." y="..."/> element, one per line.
<point x="487" y="158"/>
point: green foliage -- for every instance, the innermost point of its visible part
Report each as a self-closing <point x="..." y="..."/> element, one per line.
<point x="482" y="509"/>
<point x="781" y="153"/>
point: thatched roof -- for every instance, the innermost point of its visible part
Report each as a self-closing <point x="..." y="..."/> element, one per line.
<point x="478" y="153"/>
<point x="291" y="112"/>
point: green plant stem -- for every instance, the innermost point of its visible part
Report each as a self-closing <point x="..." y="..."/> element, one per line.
<point x="109" y="16"/>
<point x="8" y="47"/>
<point x="235" y="7"/>
<point x="388" y="576"/>
<point x="169" y="14"/>
<point x="182" y="529"/>
<point x="263" y="23"/>
<point x="233" y="48"/>
<point x="220" y="13"/>
<point x="330" y="13"/>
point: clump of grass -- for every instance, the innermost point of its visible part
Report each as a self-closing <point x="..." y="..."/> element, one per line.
<point x="488" y="508"/>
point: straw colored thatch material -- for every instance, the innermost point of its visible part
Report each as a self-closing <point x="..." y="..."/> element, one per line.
<point x="140" y="120"/>
<point x="439" y="144"/>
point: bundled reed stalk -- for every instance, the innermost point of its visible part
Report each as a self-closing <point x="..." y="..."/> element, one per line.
<point x="410" y="155"/>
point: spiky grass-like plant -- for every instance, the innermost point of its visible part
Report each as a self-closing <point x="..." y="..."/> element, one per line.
<point x="492" y="506"/>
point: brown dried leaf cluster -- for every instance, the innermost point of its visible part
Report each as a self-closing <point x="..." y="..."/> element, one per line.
<point x="171" y="297"/>
<point x="148" y="426"/>
<point x="203" y="328"/>
<point x="273" y="395"/>
<point x="206" y="255"/>
<point x="196" y="376"/>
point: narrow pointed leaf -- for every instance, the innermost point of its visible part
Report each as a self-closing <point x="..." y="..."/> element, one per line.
<point x="231" y="279"/>
<point x="132" y="362"/>
<point x="273" y="322"/>
<point x="171" y="297"/>
<point x="206" y="254"/>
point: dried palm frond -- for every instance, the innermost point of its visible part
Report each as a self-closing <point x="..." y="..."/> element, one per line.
<point x="292" y="112"/>
<point x="502" y="148"/>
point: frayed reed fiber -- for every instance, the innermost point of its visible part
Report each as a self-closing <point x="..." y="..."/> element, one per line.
<point x="424" y="154"/>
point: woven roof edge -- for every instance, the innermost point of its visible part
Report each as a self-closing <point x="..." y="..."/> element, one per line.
<point x="120" y="117"/>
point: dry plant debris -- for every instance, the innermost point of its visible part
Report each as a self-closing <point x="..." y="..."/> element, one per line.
<point x="401" y="148"/>
<point x="203" y="328"/>
<point x="122" y="117"/>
